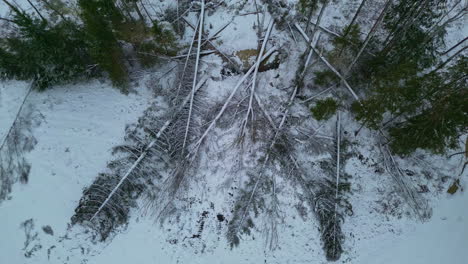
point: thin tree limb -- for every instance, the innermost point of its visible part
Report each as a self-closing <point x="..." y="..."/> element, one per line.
<point x="356" y="15"/>
<point x="369" y="36"/>
<point x="454" y="46"/>
<point x="37" y="11"/>
<point x="205" y="52"/>
<point x="314" y="96"/>
<point x="7" y="20"/>
<point x="448" y="60"/>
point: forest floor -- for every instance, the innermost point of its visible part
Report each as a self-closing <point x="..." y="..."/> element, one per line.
<point x="77" y="125"/>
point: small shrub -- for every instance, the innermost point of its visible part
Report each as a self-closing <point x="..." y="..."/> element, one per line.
<point x="325" y="78"/>
<point x="324" y="109"/>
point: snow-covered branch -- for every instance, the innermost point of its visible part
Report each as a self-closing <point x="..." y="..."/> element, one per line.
<point x="254" y="79"/>
<point x="197" y="60"/>
<point x="327" y="63"/>
<point x="144" y="153"/>
<point x="228" y="100"/>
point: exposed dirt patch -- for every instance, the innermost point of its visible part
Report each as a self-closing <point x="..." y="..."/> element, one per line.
<point x="455" y="187"/>
<point x="249" y="56"/>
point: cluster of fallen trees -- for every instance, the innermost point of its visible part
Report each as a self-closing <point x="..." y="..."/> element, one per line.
<point x="160" y="156"/>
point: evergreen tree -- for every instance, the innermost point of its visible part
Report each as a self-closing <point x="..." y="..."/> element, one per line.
<point x="47" y="54"/>
<point x="442" y="112"/>
<point x="420" y="111"/>
<point x="100" y="18"/>
<point x="324" y="109"/>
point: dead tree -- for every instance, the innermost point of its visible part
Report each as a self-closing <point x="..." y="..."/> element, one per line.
<point x="250" y="113"/>
<point x="197" y="59"/>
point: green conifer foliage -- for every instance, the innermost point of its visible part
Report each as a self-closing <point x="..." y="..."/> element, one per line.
<point x="418" y="110"/>
<point x="47" y="54"/>
<point x="442" y="113"/>
<point x="100" y="18"/>
<point x="165" y="38"/>
<point x="324" y="109"/>
<point x="310" y="5"/>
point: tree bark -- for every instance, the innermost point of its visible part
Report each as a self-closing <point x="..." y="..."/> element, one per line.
<point x="369" y="36"/>
<point x="37" y="11"/>
<point x="356" y="15"/>
<point x="454" y="47"/>
<point x="402" y="30"/>
<point x="448" y="60"/>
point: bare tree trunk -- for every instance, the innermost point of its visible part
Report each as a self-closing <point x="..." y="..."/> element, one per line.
<point x="317" y="24"/>
<point x="348" y="28"/>
<point x="147" y="13"/>
<point x="403" y="28"/>
<point x="124" y="7"/>
<point x="37" y="11"/>
<point x="454" y="46"/>
<point x="137" y="9"/>
<point x="259" y="27"/>
<point x="310" y="44"/>
<point x="177" y="13"/>
<point x="328" y="63"/>
<point x="403" y="19"/>
<point x="356" y="15"/>
<point x="309" y="18"/>
<point x="254" y="79"/>
<point x="236" y="67"/>
<point x="448" y="60"/>
<point x="369" y="36"/>
<point x="15" y="9"/>
<point x="228" y="100"/>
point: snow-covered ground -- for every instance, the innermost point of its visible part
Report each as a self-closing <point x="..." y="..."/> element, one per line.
<point x="79" y="124"/>
<point x="443" y="239"/>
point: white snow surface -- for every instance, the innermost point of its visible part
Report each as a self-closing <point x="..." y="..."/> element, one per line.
<point x="80" y="124"/>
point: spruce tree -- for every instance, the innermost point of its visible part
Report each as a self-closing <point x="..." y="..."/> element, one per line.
<point x="419" y="110"/>
<point x="100" y="18"/>
<point x="441" y="114"/>
<point x="47" y="54"/>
